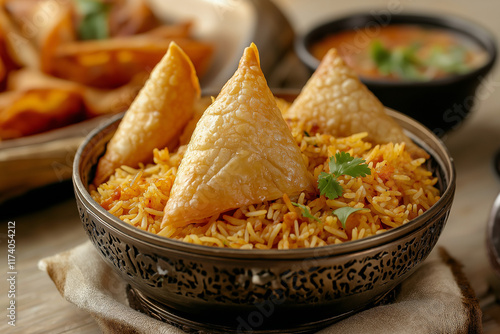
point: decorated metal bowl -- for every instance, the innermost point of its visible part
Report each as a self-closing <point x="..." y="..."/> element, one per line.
<point x="210" y="289"/>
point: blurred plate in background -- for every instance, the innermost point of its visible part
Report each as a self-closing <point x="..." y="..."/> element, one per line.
<point x="31" y="162"/>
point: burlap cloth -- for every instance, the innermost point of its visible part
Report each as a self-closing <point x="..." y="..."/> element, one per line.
<point x="437" y="298"/>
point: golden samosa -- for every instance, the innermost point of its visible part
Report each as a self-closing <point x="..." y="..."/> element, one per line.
<point x="157" y="115"/>
<point x="336" y="102"/>
<point x="241" y="152"/>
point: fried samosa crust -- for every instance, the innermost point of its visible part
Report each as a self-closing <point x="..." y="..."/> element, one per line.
<point x="336" y="102"/>
<point x="241" y="152"/>
<point x="156" y="117"/>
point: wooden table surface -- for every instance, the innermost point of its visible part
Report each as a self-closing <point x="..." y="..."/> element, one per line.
<point x="46" y="227"/>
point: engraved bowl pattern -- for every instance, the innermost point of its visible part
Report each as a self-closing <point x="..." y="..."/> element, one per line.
<point x="261" y="290"/>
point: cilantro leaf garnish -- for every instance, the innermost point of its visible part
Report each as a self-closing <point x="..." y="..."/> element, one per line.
<point x="341" y="164"/>
<point x="345" y="164"/>
<point x="305" y="211"/>
<point x="329" y="186"/>
<point x="401" y="61"/>
<point x="381" y="56"/>
<point x="94" y="22"/>
<point x="343" y="213"/>
<point x="404" y="61"/>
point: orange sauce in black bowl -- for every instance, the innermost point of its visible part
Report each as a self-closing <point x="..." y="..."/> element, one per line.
<point x="404" y="52"/>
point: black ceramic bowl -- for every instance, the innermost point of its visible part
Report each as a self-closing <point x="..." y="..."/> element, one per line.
<point x="439" y="104"/>
<point x="216" y="290"/>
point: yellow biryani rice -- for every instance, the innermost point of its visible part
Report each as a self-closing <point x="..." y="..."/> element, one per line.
<point x="398" y="190"/>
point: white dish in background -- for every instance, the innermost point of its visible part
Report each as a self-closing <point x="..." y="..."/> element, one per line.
<point x="38" y="160"/>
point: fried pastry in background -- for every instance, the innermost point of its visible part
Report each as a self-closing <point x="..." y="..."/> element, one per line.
<point x="112" y="63"/>
<point x="45" y="24"/>
<point x="131" y="17"/>
<point x="108" y="48"/>
<point x="241" y="152"/>
<point x="156" y="117"/>
<point x="97" y="102"/>
<point x="3" y="56"/>
<point x="93" y="19"/>
<point x="24" y="113"/>
<point x="19" y="48"/>
<point x="336" y="102"/>
<point x="3" y="71"/>
<point x="59" y="32"/>
<point x="7" y="63"/>
<point x="102" y="44"/>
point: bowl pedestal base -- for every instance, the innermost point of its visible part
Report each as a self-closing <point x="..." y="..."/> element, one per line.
<point x="192" y="325"/>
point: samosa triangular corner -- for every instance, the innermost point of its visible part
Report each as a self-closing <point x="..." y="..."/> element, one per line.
<point x="157" y="115"/>
<point x="336" y="102"/>
<point x="241" y="152"/>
